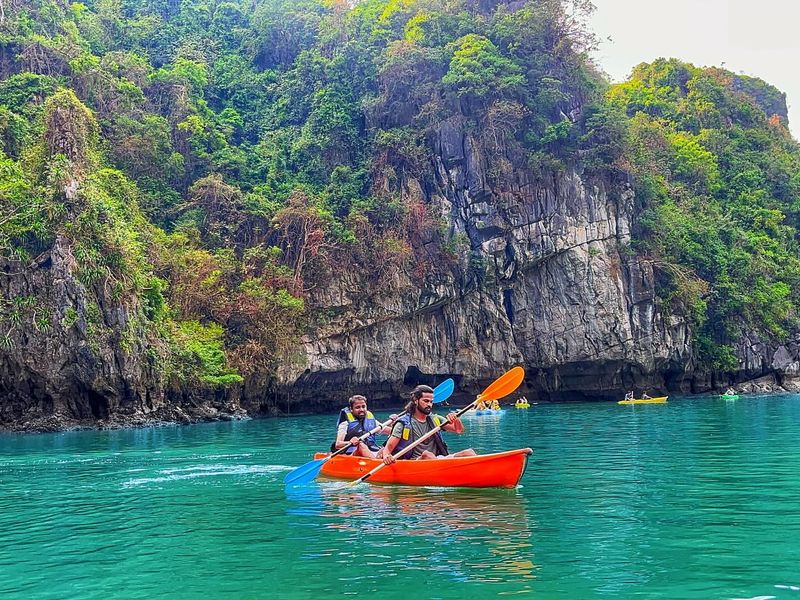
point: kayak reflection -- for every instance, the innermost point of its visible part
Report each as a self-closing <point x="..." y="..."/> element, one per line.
<point x="481" y="535"/>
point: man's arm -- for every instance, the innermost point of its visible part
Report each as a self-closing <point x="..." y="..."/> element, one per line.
<point x="391" y="443"/>
<point x="340" y="433"/>
<point x="454" y="424"/>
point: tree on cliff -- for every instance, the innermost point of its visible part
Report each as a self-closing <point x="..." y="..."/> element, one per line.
<point x="719" y="179"/>
<point x="70" y="134"/>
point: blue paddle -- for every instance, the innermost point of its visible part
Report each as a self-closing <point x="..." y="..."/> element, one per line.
<point x="443" y="391"/>
<point x="309" y="471"/>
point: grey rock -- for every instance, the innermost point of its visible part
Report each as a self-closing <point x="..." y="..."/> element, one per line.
<point x="560" y="295"/>
<point x="545" y="279"/>
<point x="75" y="357"/>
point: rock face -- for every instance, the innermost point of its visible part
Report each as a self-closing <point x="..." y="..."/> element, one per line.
<point x="52" y="369"/>
<point x="542" y="275"/>
<point x="768" y="98"/>
<point x="546" y="280"/>
<point x="70" y="358"/>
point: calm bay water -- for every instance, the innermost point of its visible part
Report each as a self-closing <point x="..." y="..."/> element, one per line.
<point x="698" y="498"/>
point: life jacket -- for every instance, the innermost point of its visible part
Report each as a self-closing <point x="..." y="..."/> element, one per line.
<point x="356" y="428"/>
<point x="407" y="437"/>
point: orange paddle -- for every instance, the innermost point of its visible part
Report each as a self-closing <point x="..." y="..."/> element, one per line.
<point x="500" y="387"/>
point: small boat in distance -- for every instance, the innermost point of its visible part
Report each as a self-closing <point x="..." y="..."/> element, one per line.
<point x="501" y="469"/>
<point x="486" y="412"/>
<point x="522" y="403"/>
<point x="658" y="400"/>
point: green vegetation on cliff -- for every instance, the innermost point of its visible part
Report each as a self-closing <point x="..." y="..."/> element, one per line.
<point x="210" y="163"/>
<point x="719" y="182"/>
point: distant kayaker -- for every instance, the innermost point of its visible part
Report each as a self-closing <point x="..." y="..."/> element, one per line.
<point x="415" y="422"/>
<point x="645" y="396"/>
<point x="730" y="392"/>
<point x="629" y="395"/>
<point x="354" y="422"/>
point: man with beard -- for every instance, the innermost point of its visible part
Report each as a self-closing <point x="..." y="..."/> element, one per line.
<point x="415" y="422"/>
<point x="354" y="422"/>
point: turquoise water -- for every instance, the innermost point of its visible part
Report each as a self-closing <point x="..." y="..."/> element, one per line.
<point x="697" y="498"/>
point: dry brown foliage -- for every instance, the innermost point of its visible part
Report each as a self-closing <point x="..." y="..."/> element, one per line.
<point x="301" y="236"/>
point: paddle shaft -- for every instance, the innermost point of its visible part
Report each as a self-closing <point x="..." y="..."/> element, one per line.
<point x="413" y="444"/>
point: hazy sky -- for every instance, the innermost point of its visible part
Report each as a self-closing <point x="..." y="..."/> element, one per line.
<point x="754" y="37"/>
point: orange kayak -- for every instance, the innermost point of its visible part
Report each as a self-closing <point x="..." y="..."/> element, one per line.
<point x="502" y="469"/>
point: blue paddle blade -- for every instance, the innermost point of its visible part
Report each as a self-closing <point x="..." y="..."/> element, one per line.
<point x="443" y="391"/>
<point x="305" y="473"/>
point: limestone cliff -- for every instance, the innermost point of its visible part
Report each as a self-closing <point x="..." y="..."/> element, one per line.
<point x="545" y="277"/>
<point x="422" y="189"/>
<point x="547" y="280"/>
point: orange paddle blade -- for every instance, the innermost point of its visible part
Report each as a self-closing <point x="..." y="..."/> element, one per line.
<point x="503" y="385"/>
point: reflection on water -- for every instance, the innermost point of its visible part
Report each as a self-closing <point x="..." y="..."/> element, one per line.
<point x="480" y="535"/>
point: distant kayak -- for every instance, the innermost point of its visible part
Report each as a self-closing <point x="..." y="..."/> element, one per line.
<point x="502" y="469"/>
<point x="729" y="396"/>
<point x="659" y="400"/>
